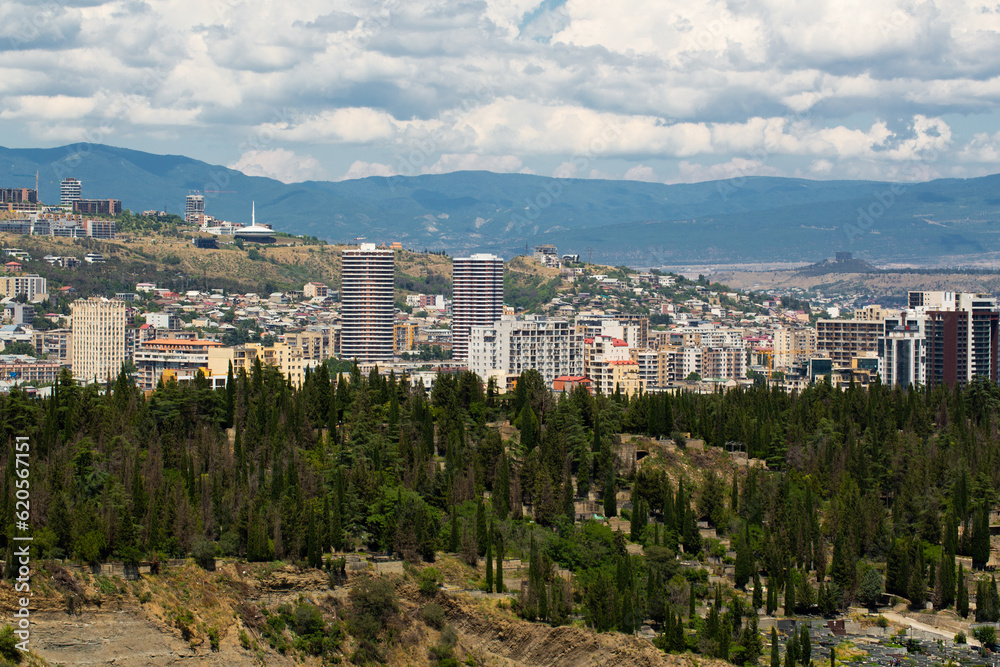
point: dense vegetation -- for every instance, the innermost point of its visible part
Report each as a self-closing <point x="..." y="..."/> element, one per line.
<point x="867" y="490"/>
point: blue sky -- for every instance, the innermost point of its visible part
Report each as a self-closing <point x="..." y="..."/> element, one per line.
<point x="656" y="90"/>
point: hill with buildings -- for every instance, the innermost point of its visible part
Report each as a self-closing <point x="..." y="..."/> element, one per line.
<point x="752" y="219"/>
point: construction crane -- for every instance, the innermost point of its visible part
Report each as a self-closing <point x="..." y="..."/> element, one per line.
<point x="220" y="192"/>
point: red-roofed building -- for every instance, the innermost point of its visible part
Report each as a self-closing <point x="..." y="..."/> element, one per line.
<point x="569" y="383"/>
<point x="12" y="266"/>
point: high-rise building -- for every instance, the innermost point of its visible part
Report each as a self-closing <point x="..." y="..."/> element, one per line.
<point x="367" y="277"/>
<point x="69" y="190"/>
<point x="98" y="338"/>
<point x="477" y="288"/>
<point x="194" y="207"/>
<point x="961" y="342"/>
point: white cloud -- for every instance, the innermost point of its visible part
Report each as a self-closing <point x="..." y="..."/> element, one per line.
<point x="470" y="162"/>
<point x="642" y="173"/>
<point x="691" y="172"/>
<point x="280" y="164"/>
<point x="831" y="86"/>
<point x="361" y="169"/>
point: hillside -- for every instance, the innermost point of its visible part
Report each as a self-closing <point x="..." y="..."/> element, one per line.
<point x="944" y="222"/>
<point x="171" y="261"/>
<point x="160" y="619"/>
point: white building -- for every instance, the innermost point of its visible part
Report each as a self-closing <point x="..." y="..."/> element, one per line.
<point x="511" y="346"/>
<point x="367" y="303"/>
<point x="70" y="190"/>
<point x="477" y="289"/>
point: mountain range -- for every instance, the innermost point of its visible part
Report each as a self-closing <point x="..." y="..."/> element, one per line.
<point x="746" y="220"/>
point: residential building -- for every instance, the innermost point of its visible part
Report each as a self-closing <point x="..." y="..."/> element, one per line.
<point x="477" y="289"/>
<point x="98" y="206"/>
<point x="367" y="306"/>
<point x="608" y="362"/>
<point x="404" y="335"/>
<point x="311" y="345"/>
<point x="184" y="359"/>
<point x="962" y="340"/>
<point x="69" y="191"/>
<point x="98" y="338"/>
<point x="194" y="207"/>
<point x="23" y="369"/>
<point x="164" y="321"/>
<point x="32" y="286"/>
<point x="511" y="346"/>
<point x="724" y="363"/>
<point x="313" y="290"/>
<point x="841" y="340"/>
<point x="793" y="346"/>
<point x="55" y="342"/>
<point x="19" y="313"/>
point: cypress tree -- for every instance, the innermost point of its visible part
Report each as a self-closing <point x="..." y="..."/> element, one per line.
<point x="758" y="596"/>
<point x="453" y="537"/>
<point x="498" y="580"/>
<point x="489" y="561"/>
<point x="981" y="538"/>
<point x="501" y="489"/>
<point x="961" y="594"/>
<point x="790" y="593"/>
<point x="775" y="654"/>
<point x="734" y="496"/>
<point x="481" y="537"/>
<point x="610" y="499"/>
<point x="691" y="601"/>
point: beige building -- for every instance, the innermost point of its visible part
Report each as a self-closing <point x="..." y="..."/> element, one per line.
<point x="404" y="335"/>
<point x="31" y="286"/>
<point x="98" y="338"/>
<point x="57" y="342"/>
<point x="842" y="340"/>
<point x="289" y="361"/>
<point x="793" y="346"/>
<point x="313" y="290"/>
<point x="312" y="345"/>
<point x="177" y="358"/>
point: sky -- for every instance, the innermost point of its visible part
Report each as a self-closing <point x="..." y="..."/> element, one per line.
<point x="652" y="90"/>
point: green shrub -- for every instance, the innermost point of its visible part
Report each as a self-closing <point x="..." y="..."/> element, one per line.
<point x="8" y="644"/>
<point x="960" y="638"/>
<point x="433" y="615"/>
<point x="244" y="640"/>
<point x="428" y="582"/>
<point x="213" y="638"/>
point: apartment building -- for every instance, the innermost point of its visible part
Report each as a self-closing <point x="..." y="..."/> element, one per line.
<point x="793" y="346"/>
<point x="184" y="359"/>
<point x="511" y="346"/>
<point x="23" y="369"/>
<point x="98" y="338"/>
<point x="367" y="303"/>
<point x="843" y="340"/>
<point x="477" y="298"/>
<point x="31" y="286"/>
<point x="55" y="342"/>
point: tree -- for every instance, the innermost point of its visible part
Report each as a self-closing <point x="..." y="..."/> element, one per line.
<point x="610" y="498"/>
<point x="961" y="594"/>
<point x="790" y="593"/>
<point x="750" y="641"/>
<point x="870" y="588"/>
<point x="758" y="594"/>
<point x="775" y="648"/>
<point x="744" y="559"/>
<point x="489" y="560"/>
<point x="981" y="539"/>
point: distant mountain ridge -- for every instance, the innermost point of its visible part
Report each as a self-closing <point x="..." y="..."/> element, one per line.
<point x="747" y="220"/>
